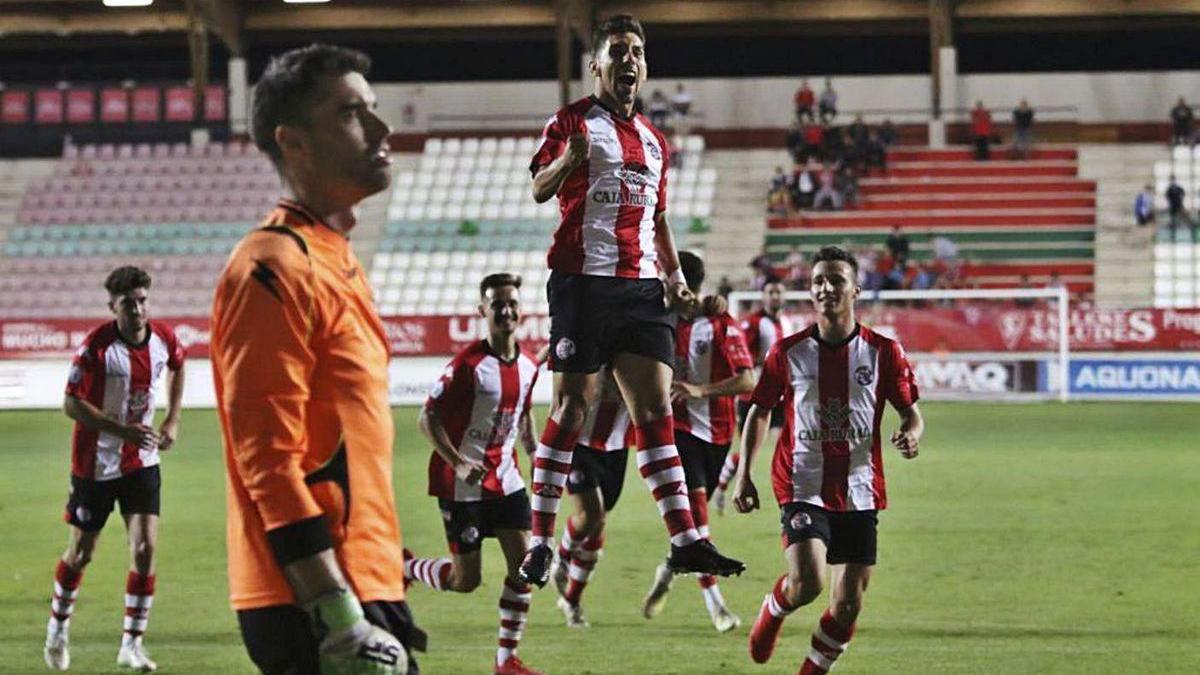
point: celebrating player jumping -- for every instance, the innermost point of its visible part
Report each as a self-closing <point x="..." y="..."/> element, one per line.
<point x="832" y="379"/>
<point x="608" y="167"/>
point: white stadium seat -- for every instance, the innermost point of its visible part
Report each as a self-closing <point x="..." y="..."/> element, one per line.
<point x="433" y="146"/>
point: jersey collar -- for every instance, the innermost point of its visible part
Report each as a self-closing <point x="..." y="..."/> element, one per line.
<point x="835" y="345"/>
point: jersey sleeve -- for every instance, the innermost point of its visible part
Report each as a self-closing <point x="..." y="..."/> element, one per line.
<point x="451" y="392"/>
<point x="83" y="377"/>
<point x="899" y="384"/>
<point x="768" y="393"/>
<point x="264" y="326"/>
<point x="734" y="348"/>
<point x="551" y="144"/>
<point x="661" y="206"/>
<point x="175" y="353"/>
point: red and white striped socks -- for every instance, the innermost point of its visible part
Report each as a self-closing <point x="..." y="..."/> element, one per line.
<point x="583" y="563"/>
<point x="62" y="605"/>
<point x="708" y="582"/>
<point x="139" y="596"/>
<point x="433" y="572"/>
<point x="777" y="603"/>
<point x="551" y="465"/>
<point x="728" y="469"/>
<point x="514" y="609"/>
<point x="569" y="542"/>
<point x="661" y="469"/>
<point x="829" y="641"/>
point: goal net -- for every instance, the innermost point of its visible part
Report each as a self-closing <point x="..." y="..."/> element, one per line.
<point x="980" y="344"/>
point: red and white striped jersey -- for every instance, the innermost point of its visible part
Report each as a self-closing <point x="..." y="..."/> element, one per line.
<point x="708" y="349"/>
<point x="609" y="203"/>
<point x="762" y="332"/>
<point x="829" y="452"/>
<point x="607" y="426"/>
<point x="119" y="379"/>
<point x="480" y="401"/>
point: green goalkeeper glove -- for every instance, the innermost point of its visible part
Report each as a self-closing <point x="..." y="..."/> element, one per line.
<point x="352" y="645"/>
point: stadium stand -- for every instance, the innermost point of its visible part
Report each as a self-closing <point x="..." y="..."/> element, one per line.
<point x="1009" y="219"/>
<point x="1177" y="250"/>
<point x="465" y="208"/>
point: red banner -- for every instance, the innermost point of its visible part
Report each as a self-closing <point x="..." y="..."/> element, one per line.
<point x="145" y="104"/>
<point x="181" y="104"/>
<point x="114" y="106"/>
<point x="966" y="329"/>
<point x="81" y="106"/>
<point x="48" y="106"/>
<point x="14" y="107"/>
<point x="214" y="103"/>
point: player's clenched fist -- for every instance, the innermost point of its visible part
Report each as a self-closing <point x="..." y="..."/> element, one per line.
<point x="745" y="494"/>
<point x="352" y="646"/>
<point x="470" y="471"/>
<point x="579" y="148"/>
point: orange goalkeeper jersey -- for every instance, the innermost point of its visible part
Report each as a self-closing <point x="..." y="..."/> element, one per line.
<point x="300" y="362"/>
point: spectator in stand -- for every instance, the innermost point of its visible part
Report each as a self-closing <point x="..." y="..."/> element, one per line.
<point x="724" y="287"/>
<point x="795" y="143"/>
<point x="1022" y="130"/>
<point x="887" y="133"/>
<point x="779" y="180"/>
<point x="1055" y="281"/>
<point x="761" y="264"/>
<point x="681" y="105"/>
<point x="805" y="99"/>
<point x="779" y="196"/>
<point x="1181" y="123"/>
<point x="876" y="154"/>
<point x="834" y="146"/>
<point x="944" y="250"/>
<point x="804" y="185"/>
<point x="660" y="110"/>
<point x="1143" y="206"/>
<point x="1175" y="195"/>
<point x="827" y="106"/>
<point x="1025" y="283"/>
<point x="981" y="131"/>
<point x="893" y="279"/>
<point x="814" y="138"/>
<point x="859" y="132"/>
<point x="797" y="270"/>
<point x="868" y="261"/>
<point x="925" y="277"/>
<point x="827" y="198"/>
<point x="897" y="243"/>
<point x="846" y="182"/>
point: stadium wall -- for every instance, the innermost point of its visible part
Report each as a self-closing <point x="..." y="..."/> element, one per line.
<point x="738" y="103"/>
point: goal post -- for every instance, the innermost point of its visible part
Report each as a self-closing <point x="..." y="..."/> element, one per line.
<point x="965" y="344"/>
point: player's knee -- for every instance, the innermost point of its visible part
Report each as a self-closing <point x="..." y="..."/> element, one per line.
<point x="572" y="410"/>
<point x="803" y="588"/>
<point x="591" y="523"/>
<point x="464" y="581"/>
<point x="79" y="557"/>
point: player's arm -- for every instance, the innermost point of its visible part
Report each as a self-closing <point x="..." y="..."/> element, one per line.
<point x="469" y="470"/>
<point x="738" y="384"/>
<point x="745" y="494"/>
<point x="912" y="426"/>
<point x="529" y="437"/>
<point x="87" y="414"/>
<point x="668" y="261"/>
<point x="548" y="179"/>
<point x="168" y="431"/>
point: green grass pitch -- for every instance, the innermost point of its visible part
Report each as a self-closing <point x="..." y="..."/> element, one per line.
<point x="1041" y="538"/>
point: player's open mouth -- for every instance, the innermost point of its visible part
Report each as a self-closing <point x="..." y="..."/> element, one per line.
<point x="627" y="79"/>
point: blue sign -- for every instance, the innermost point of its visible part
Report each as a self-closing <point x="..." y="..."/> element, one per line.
<point x="1095" y="376"/>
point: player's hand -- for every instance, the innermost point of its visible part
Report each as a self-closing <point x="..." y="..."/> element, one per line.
<point x="140" y="435"/>
<point x="681" y="390"/>
<point x="681" y="299"/>
<point x="718" y="500"/>
<point x="906" y="442"/>
<point x="359" y="648"/>
<point x="745" y="495"/>
<point x="579" y="149"/>
<point x="714" y="305"/>
<point x="470" y="471"/>
<point x="167" y="434"/>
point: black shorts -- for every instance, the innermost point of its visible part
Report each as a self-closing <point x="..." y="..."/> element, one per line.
<point x="743" y="409"/>
<point x="281" y="639"/>
<point x="591" y="469"/>
<point x="849" y="536"/>
<point x="91" y="501"/>
<point x="702" y="461"/>
<point x="469" y="523"/>
<point x="592" y="319"/>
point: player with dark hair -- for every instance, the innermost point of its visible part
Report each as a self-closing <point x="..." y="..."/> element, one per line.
<point x="833" y="379"/>
<point x="762" y="328"/>
<point x="595" y="482"/>
<point x="608" y="165"/>
<point x="473" y="417"/>
<point x="115" y="457"/>
<point x="300" y="361"/>
<point x="712" y="366"/>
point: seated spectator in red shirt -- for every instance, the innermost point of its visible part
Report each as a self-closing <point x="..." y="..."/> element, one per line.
<point x="813" y="136"/>
<point x="805" y="99"/>
<point x="981" y="130"/>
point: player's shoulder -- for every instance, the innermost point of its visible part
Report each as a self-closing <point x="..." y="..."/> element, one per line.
<point x="880" y="341"/>
<point x="100" y="337"/>
<point x="527" y="355"/>
<point x="273" y="251"/>
<point x="658" y="133"/>
<point x="470" y="355"/>
<point x="573" y="111"/>
<point x="787" y="342"/>
<point x="162" y="330"/>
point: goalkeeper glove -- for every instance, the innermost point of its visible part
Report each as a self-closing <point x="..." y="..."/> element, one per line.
<point x="353" y="646"/>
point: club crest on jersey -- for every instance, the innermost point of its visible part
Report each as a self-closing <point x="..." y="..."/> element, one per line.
<point x="82" y="514"/>
<point x="564" y="349"/>
<point x="863" y="375"/>
<point x="835" y="414"/>
<point x="548" y="491"/>
<point x="652" y="148"/>
<point x="800" y="521"/>
<point x="633" y="174"/>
